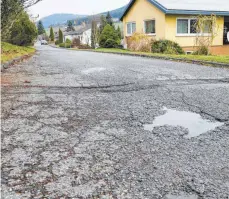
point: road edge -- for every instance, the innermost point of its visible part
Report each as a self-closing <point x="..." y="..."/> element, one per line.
<point x="16" y="60"/>
<point x="198" y="62"/>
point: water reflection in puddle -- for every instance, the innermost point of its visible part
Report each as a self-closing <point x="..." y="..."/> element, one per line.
<point x="181" y="196"/>
<point x="192" y="121"/>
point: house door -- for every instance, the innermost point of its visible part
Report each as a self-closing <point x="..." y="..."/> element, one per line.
<point x="226" y="30"/>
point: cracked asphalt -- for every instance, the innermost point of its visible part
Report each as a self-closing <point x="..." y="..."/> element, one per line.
<point x="72" y="127"/>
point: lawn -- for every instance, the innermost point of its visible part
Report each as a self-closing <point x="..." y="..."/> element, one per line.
<point x="210" y="58"/>
<point x="9" y="51"/>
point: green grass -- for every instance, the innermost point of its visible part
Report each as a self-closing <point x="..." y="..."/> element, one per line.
<point x="9" y="51"/>
<point x="210" y="58"/>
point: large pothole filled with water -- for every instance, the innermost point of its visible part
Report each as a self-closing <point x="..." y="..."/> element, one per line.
<point x="195" y="124"/>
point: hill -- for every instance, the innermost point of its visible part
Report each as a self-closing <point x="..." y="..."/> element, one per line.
<point x="117" y="13"/>
<point x="59" y="19"/>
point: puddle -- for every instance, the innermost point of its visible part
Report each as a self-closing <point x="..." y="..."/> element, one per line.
<point x="92" y="70"/>
<point x="192" y="121"/>
<point x="181" y="195"/>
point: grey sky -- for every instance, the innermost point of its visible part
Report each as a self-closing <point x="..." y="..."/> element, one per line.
<point x="48" y="7"/>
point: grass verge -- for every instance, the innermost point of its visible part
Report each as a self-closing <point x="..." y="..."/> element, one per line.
<point x="9" y="51"/>
<point x="209" y="58"/>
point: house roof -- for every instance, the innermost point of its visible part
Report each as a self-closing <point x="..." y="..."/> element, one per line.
<point x="188" y="7"/>
<point x="78" y="30"/>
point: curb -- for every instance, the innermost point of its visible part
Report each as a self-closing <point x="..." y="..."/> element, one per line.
<point x="6" y="65"/>
<point x="54" y="46"/>
<point x="199" y="62"/>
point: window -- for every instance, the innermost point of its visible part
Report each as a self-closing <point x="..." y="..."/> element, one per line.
<point x="193" y="23"/>
<point x="131" y="28"/>
<point x="182" y="26"/>
<point x="188" y="26"/>
<point x="149" y="26"/>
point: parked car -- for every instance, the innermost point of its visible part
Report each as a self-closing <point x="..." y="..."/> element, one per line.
<point x="44" y="42"/>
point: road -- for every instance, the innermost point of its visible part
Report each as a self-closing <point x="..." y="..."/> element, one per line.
<point x="84" y="125"/>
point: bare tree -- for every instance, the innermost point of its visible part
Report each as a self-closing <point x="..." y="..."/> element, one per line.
<point x="95" y="34"/>
<point x="29" y="3"/>
<point x="206" y="31"/>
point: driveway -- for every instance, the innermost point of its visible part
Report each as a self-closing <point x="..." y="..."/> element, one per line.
<point x="89" y="125"/>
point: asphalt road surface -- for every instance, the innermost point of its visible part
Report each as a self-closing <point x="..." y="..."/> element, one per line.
<point x="90" y="125"/>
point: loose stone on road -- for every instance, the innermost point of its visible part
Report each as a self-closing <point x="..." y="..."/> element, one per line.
<point x="78" y="128"/>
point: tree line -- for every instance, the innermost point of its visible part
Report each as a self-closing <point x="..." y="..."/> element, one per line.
<point x="16" y="26"/>
<point x="103" y="34"/>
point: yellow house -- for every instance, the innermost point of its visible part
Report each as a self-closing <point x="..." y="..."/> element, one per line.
<point x="174" y="19"/>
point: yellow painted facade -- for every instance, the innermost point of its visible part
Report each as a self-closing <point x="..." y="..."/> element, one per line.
<point x="171" y="26"/>
<point x="166" y="25"/>
<point x="143" y="10"/>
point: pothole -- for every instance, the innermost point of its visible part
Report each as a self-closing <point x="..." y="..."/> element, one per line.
<point x="195" y="124"/>
<point x="93" y="70"/>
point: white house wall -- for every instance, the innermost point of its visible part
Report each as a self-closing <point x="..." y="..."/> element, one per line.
<point x="86" y="37"/>
<point x="71" y="37"/>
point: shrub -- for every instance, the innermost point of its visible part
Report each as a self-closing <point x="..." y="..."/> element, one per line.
<point x="57" y="42"/>
<point x="108" y="33"/>
<point x="202" y="50"/>
<point x="140" y="42"/>
<point x="166" y="47"/>
<point x="23" y="32"/>
<point x="110" y="43"/>
<point x="84" y="46"/>
<point x="65" y="45"/>
<point x="119" y="46"/>
<point x="76" y="42"/>
<point x="68" y="41"/>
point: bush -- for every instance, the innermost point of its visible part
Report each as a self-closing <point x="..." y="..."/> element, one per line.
<point x="166" y="47"/>
<point x="65" y="45"/>
<point x="108" y="33"/>
<point x="110" y="43"/>
<point x="202" y="50"/>
<point x="139" y="42"/>
<point x="23" y="31"/>
<point x="68" y="41"/>
<point x="76" y="42"/>
<point x="119" y="46"/>
<point x="57" y="42"/>
<point x="84" y="46"/>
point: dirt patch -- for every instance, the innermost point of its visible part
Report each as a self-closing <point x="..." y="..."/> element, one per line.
<point x="9" y="79"/>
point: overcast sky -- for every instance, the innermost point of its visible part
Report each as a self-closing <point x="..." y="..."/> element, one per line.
<point x="48" y="7"/>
